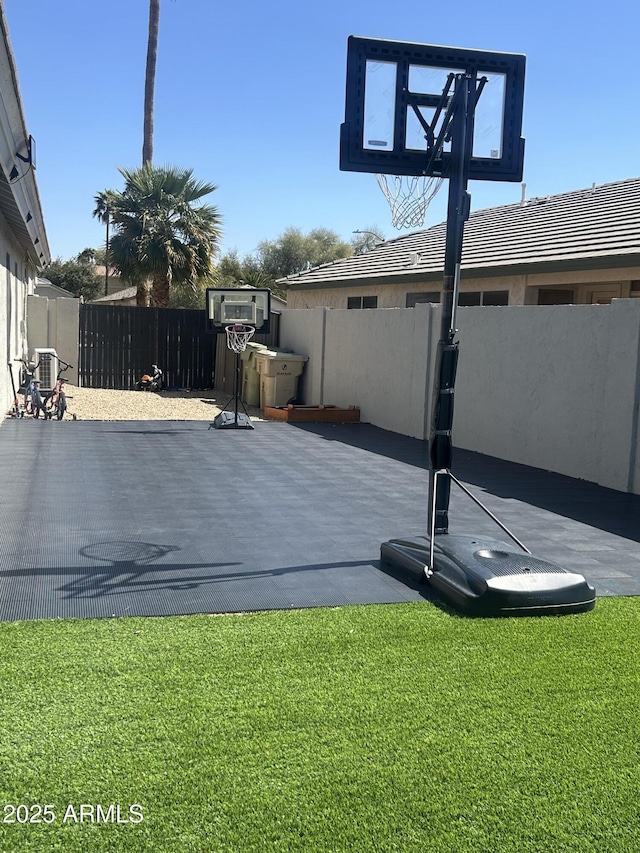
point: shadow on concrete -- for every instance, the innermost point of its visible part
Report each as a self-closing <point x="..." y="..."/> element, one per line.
<point x="133" y="567"/>
<point x="604" y="509"/>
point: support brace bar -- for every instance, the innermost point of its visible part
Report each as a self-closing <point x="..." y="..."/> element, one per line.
<point x="444" y="472"/>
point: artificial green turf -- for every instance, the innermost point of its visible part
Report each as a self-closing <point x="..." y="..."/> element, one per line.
<point x="399" y="728"/>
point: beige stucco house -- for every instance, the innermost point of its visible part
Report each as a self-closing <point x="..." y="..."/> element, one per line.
<point x="579" y="247"/>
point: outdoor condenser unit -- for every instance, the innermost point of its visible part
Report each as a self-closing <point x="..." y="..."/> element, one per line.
<point x="46" y="368"/>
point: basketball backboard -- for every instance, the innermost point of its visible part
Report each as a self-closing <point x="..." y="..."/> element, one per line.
<point x="397" y="97"/>
<point x="228" y="306"/>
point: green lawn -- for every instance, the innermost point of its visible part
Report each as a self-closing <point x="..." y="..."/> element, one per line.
<point x="396" y="728"/>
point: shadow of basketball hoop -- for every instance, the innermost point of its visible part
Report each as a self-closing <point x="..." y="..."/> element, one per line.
<point x="131" y="553"/>
<point x="128" y="562"/>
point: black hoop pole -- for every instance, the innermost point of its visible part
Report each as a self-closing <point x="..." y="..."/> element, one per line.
<point x="441" y="448"/>
<point x="236" y="386"/>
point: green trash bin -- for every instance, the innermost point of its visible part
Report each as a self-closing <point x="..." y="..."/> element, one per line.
<point x="250" y="392"/>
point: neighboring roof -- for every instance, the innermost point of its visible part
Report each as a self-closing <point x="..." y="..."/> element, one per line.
<point x="130" y="293"/>
<point x="118" y="296"/>
<point x="589" y="228"/>
<point x="47" y="288"/>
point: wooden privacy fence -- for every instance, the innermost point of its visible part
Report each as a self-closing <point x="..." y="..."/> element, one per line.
<point x="118" y="343"/>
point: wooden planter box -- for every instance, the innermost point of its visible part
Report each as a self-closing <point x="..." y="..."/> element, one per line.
<point x="313" y="414"/>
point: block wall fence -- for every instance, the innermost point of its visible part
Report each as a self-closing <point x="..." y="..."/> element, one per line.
<point x="554" y="387"/>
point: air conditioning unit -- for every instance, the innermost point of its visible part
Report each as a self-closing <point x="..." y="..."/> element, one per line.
<point x="47" y="367"/>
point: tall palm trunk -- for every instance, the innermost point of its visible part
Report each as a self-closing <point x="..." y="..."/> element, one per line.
<point x="142" y="294"/>
<point x="160" y="289"/>
<point x="106" y="258"/>
<point x="150" y="80"/>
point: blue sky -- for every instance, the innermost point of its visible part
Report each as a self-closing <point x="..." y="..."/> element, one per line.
<point x="250" y="95"/>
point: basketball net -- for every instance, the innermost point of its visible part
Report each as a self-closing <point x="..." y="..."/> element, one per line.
<point x="409" y="197"/>
<point x="238" y="336"/>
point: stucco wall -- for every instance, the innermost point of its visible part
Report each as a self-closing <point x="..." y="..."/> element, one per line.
<point x="554" y="387"/>
<point x="305" y="336"/>
<point x="55" y="323"/>
<point x="377" y="361"/>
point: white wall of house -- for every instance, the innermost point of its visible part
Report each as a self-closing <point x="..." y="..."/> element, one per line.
<point x="555" y="387"/>
<point x="16" y="281"/>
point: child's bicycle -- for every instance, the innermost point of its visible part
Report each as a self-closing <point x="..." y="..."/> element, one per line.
<point x="33" y="399"/>
<point x="55" y="402"/>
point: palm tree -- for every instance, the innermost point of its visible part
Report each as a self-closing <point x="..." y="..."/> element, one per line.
<point x="101" y="213"/>
<point x="160" y="233"/>
<point x="150" y="80"/>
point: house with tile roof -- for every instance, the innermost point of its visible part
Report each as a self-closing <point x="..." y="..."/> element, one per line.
<point x="579" y="247"/>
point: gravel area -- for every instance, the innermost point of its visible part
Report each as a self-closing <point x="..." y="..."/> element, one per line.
<point x="99" y="404"/>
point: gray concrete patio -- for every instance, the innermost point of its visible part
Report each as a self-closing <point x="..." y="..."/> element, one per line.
<point x="102" y="519"/>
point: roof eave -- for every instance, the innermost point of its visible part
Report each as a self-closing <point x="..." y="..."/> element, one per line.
<point x="19" y="198"/>
<point x="618" y="261"/>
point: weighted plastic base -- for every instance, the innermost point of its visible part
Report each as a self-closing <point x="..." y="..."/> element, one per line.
<point x="481" y="576"/>
<point x="228" y="420"/>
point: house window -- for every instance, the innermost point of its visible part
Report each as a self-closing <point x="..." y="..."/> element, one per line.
<point x="555" y="297"/>
<point x="362" y="302"/>
<point x="469" y="298"/>
<point x="635" y="288"/>
<point x="495" y="297"/>
<point x="412" y="299"/>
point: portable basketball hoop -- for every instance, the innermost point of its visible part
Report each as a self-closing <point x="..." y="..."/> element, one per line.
<point x="238" y="336"/>
<point x="239" y="312"/>
<point x="415" y="112"/>
<point x="409" y="197"/>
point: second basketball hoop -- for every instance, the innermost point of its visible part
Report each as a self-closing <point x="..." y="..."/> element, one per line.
<point x="239" y="313"/>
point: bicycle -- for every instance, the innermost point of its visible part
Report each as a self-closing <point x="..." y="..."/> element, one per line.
<point x="151" y="383"/>
<point x="33" y="400"/>
<point x="55" y="401"/>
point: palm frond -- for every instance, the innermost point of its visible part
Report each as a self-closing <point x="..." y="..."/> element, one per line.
<point x="159" y="231"/>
